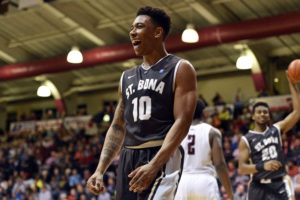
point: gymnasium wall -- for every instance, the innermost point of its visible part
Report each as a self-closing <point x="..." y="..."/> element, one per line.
<point x="227" y="86"/>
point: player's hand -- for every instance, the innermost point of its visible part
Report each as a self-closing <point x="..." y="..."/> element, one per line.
<point x="272" y="165"/>
<point x="95" y="183"/>
<point x="288" y="77"/>
<point x="142" y="177"/>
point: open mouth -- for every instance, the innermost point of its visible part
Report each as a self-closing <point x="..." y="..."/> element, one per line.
<point x="136" y="42"/>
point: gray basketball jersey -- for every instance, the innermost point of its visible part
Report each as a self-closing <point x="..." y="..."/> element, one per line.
<point x="263" y="147"/>
<point x="148" y="98"/>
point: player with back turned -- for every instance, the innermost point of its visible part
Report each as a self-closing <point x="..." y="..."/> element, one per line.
<point x="203" y="162"/>
<point x="157" y="101"/>
<point x="263" y="147"/>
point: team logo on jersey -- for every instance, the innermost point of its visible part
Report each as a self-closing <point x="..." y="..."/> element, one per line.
<point x="161" y="71"/>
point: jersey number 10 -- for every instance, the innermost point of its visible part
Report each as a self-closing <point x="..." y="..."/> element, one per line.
<point x="141" y="108"/>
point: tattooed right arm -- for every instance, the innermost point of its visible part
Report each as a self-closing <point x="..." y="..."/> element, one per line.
<point x="114" y="138"/>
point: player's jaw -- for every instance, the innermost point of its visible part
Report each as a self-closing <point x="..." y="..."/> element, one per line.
<point x="142" y="44"/>
<point x="262" y="122"/>
<point x="137" y="46"/>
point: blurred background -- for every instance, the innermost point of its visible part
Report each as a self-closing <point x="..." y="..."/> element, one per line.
<point x="52" y="136"/>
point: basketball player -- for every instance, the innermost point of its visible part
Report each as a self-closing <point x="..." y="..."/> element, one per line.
<point x="263" y="147"/>
<point x="203" y="159"/>
<point x="156" y="106"/>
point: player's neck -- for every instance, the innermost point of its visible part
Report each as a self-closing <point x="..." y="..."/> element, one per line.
<point x="155" y="56"/>
<point x="196" y="121"/>
<point x="259" y="127"/>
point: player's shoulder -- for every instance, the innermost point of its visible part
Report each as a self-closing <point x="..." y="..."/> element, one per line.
<point x="202" y="125"/>
<point x="205" y="127"/>
<point x="249" y="135"/>
<point x="215" y="132"/>
<point x="131" y="71"/>
<point x="274" y="127"/>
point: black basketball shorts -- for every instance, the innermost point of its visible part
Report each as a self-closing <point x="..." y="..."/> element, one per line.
<point x="275" y="190"/>
<point x="165" y="184"/>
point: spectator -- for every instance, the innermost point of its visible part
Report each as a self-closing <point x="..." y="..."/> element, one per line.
<point x="18" y="187"/>
<point x="297" y="186"/>
<point x="240" y="193"/>
<point x="105" y="195"/>
<point x="293" y="170"/>
<point x="203" y="100"/>
<point x="224" y="116"/>
<point x="227" y="150"/>
<point x="217" y="100"/>
<point x="73" y="194"/>
<point x="45" y="194"/>
<point x="111" y="187"/>
<point x="63" y="196"/>
<point x="74" y="178"/>
<point x="216" y="122"/>
<point x="238" y="105"/>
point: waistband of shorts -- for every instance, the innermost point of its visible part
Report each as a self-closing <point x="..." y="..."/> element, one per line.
<point x="149" y="144"/>
<point x="268" y="180"/>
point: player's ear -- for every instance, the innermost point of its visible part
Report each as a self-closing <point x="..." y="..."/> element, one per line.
<point x="158" y="32"/>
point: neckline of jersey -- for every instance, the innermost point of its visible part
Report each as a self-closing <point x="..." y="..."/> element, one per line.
<point x="256" y="132"/>
<point x="149" y="67"/>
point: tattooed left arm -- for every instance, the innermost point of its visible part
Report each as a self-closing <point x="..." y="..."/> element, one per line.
<point x="112" y="145"/>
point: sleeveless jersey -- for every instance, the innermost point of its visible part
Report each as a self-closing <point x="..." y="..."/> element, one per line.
<point x="148" y="98"/>
<point x="266" y="146"/>
<point x="197" y="150"/>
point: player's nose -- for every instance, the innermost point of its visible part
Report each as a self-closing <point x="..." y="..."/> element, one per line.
<point x="132" y="33"/>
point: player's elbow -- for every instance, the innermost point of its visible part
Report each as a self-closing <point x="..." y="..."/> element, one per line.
<point x="221" y="166"/>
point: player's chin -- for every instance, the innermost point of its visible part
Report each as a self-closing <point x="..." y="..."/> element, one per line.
<point x="263" y="122"/>
<point x="138" y="53"/>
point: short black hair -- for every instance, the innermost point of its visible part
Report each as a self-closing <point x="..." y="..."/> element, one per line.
<point x="159" y="18"/>
<point x="199" y="109"/>
<point x="259" y="103"/>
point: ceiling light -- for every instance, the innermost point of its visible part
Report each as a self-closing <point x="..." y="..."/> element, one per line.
<point x="43" y="91"/>
<point x="74" y="56"/>
<point x="244" y="62"/>
<point x="106" y="118"/>
<point x="190" y="35"/>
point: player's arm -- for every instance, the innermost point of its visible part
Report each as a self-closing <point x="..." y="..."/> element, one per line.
<point x="113" y="142"/>
<point x="185" y="98"/>
<point x="218" y="159"/>
<point x="184" y="107"/>
<point x="286" y="124"/>
<point x="248" y="168"/>
<point x="244" y="154"/>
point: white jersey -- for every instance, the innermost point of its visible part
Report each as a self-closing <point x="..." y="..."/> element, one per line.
<point x="197" y="150"/>
<point x="198" y="180"/>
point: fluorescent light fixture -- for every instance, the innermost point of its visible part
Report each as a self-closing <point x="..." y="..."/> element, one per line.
<point x="244" y="62"/>
<point x="190" y="35"/>
<point x="43" y="91"/>
<point x="75" y="56"/>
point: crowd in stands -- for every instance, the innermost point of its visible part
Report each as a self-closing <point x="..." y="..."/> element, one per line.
<point x="56" y="164"/>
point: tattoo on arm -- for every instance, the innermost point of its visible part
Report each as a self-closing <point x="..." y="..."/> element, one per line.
<point x="115" y="136"/>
